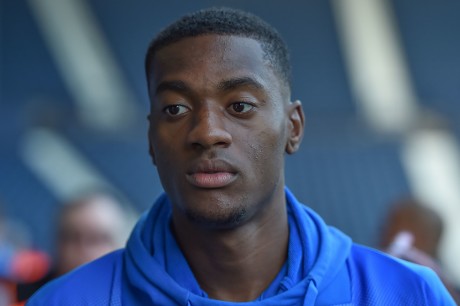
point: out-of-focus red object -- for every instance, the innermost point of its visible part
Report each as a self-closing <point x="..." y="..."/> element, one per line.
<point x="29" y="266"/>
<point x="22" y="265"/>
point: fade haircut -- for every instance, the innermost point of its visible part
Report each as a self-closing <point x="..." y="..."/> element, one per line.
<point x="226" y="21"/>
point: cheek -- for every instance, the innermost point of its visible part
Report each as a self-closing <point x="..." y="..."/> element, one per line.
<point x="166" y="163"/>
<point x="164" y="146"/>
<point x="272" y="139"/>
<point x="267" y="151"/>
<point x="168" y="158"/>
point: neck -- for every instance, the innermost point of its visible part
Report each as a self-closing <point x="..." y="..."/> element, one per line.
<point x="236" y="264"/>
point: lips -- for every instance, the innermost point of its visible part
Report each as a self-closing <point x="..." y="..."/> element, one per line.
<point x="211" y="174"/>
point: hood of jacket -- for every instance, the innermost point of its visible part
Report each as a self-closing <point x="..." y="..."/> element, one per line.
<point x="316" y="274"/>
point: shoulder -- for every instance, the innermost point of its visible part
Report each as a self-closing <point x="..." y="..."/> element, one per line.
<point x="379" y="277"/>
<point x="94" y="281"/>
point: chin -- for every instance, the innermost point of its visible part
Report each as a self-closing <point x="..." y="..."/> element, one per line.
<point x="224" y="219"/>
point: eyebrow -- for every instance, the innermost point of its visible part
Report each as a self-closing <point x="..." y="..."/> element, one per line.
<point x="177" y="86"/>
<point x="235" y="83"/>
<point x="227" y="85"/>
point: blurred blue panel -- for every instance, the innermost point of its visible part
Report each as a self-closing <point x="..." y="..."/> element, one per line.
<point x="430" y="34"/>
<point x="350" y="182"/>
<point x="25" y="199"/>
<point x="123" y="160"/>
<point x="27" y="70"/>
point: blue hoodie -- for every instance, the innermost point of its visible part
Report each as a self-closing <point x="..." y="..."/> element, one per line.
<point x="323" y="268"/>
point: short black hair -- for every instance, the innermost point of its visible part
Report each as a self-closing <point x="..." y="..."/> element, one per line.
<point x="226" y="21"/>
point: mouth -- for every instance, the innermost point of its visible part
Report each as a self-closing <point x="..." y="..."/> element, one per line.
<point x="211" y="174"/>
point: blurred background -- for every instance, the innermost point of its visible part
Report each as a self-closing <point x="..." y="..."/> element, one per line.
<point x="379" y="82"/>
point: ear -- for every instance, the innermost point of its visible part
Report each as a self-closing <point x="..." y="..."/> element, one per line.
<point x="149" y="133"/>
<point x="296" y="125"/>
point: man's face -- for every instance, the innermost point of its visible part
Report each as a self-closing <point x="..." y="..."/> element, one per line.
<point x="219" y="125"/>
<point x="87" y="232"/>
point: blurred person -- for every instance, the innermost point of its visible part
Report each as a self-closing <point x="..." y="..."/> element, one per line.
<point x="413" y="231"/>
<point x="227" y="229"/>
<point x="88" y="227"/>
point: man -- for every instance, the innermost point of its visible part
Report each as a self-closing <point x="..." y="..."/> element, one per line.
<point x="227" y="230"/>
<point x="89" y="226"/>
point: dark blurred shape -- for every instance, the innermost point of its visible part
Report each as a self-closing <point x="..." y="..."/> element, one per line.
<point x="425" y="225"/>
<point x="412" y="231"/>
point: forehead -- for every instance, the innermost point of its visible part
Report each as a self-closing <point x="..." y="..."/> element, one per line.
<point x="212" y="57"/>
<point x="97" y="211"/>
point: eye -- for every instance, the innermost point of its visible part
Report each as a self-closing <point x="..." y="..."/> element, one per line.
<point x="241" y="107"/>
<point x="176" y="110"/>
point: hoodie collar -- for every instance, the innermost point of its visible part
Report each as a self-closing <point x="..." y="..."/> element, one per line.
<point x="157" y="270"/>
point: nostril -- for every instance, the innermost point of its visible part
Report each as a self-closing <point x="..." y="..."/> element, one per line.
<point x="210" y="137"/>
<point x="223" y="144"/>
<point x="209" y="130"/>
<point x="212" y="141"/>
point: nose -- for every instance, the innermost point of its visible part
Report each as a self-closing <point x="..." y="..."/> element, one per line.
<point x="208" y="130"/>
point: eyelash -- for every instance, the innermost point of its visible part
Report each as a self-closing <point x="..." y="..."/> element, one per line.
<point x="251" y="107"/>
<point x="182" y="109"/>
<point x="168" y="108"/>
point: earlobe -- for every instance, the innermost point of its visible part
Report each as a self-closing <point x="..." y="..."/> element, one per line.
<point x="296" y="126"/>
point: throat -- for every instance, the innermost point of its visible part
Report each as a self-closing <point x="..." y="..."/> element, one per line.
<point x="243" y="291"/>
<point x="239" y="267"/>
